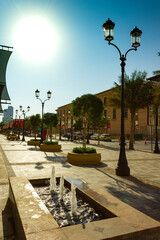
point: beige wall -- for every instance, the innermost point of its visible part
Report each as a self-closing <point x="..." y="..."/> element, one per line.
<point x="115" y="124"/>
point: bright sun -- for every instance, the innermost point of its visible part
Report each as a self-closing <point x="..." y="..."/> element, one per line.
<point x="35" y="39"/>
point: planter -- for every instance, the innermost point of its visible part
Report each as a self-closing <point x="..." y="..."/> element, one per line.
<point x="84" y="158"/>
<point x="12" y="138"/>
<point x="50" y="148"/>
<point x="33" y="143"/>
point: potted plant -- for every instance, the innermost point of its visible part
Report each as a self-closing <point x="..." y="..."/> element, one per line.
<point x="12" y="137"/>
<point x="50" y="146"/>
<point x="84" y="156"/>
<point x="89" y="108"/>
<point x="35" y="122"/>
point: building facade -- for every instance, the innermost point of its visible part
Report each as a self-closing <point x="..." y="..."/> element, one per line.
<point x="144" y="119"/>
<point x="8" y="114"/>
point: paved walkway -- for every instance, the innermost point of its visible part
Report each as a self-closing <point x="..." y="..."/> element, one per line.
<point x="140" y="190"/>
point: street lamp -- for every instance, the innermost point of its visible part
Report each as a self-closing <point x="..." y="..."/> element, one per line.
<point x="24" y="116"/>
<point x="19" y="115"/>
<point x="108" y="27"/>
<point x="37" y="93"/>
<point x="60" y="126"/>
<point x="156" y="148"/>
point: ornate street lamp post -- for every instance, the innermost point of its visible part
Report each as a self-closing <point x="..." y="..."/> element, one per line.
<point x="18" y="123"/>
<point x="156" y="148"/>
<point x="60" y="126"/>
<point x="108" y="27"/>
<point x="37" y="93"/>
<point x="24" y="116"/>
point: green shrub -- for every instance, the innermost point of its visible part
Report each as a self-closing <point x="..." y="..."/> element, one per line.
<point x="33" y="139"/>
<point x="84" y="150"/>
<point x="50" y="142"/>
<point x="136" y="136"/>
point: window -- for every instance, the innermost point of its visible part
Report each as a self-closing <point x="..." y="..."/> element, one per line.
<point x="105" y="113"/>
<point x="105" y="101"/>
<point x="114" y="113"/>
<point x="126" y="113"/>
<point x="67" y="122"/>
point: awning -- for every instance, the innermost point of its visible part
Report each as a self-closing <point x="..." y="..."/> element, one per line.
<point x="4" y="57"/>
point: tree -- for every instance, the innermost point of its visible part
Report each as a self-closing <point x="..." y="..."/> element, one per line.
<point x="35" y="121"/>
<point x="78" y="125"/>
<point x="1" y="125"/>
<point x="88" y="108"/>
<point x="158" y="71"/>
<point x="136" y="95"/>
<point x="51" y="120"/>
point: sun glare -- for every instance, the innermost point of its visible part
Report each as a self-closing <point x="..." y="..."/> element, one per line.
<point x="35" y="39"/>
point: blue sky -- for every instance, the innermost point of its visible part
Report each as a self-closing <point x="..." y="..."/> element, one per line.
<point x="82" y="61"/>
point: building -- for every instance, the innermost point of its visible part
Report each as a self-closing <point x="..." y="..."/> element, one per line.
<point x="144" y="119"/>
<point x="8" y="115"/>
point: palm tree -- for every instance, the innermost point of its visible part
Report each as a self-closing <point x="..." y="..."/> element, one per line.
<point x="137" y="95"/>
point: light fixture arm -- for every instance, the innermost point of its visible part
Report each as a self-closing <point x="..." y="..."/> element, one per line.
<point x="122" y="56"/>
<point x="135" y="49"/>
<point x="115" y="47"/>
<point x="42" y="101"/>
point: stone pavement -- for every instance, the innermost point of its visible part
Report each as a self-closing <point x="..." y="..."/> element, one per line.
<point x="141" y="190"/>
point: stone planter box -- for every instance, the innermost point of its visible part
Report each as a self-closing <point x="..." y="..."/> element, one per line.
<point x="33" y="143"/>
<point x="50" y="148"/>
<point x="84" y="158"/>
<point x="12" y="138"/>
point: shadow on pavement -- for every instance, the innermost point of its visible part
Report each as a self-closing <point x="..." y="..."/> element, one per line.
<point x="135" y="193"/>
<point x="106" y="147"/>
<point x="8" y="222"/>
<point x="34" y="148"/>
<point x="100" y="165"/>
<point x="55" y="158"/>
<point x="39" y="166"/>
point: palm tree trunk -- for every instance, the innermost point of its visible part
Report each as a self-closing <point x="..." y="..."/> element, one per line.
<point x="131" y="140"/>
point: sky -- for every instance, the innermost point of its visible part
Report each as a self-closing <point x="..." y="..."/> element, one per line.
<point x="59" y="45"/>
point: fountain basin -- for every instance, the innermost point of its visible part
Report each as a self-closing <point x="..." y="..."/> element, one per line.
<point x="84" y="158"/>
<point x="34" y="221"/>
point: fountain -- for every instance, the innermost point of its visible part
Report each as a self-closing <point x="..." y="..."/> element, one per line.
<point x="63" y="203"/>
<point x="73" y="200"/>
<point x="61" y="188"/>
<point x="107" y="212"/>
<point x="53" y="181"/>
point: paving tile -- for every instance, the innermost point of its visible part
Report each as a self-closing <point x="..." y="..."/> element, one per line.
<point x="137" y="191"/>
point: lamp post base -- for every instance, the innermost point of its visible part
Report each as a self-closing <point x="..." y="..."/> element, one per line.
<point x="23" y="139"/>
<point x="156" y="150"/>
<point x="123" y="170"/>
